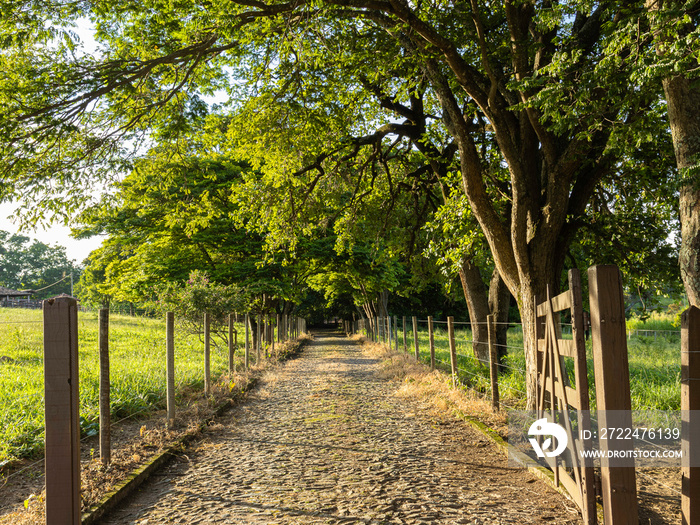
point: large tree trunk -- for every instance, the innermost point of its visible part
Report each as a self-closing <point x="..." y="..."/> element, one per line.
<point x="481" y="303"/>
<point x="683" y="101"/>
<point x="684" y="115"/>
<point x="477" y="303"/>
<point x="253" y="330"/>
<point x="499" y="306"/>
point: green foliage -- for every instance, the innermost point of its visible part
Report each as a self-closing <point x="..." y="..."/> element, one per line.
<point x="175" y="214"/>
<point x="198" y="295"/>
<point x="26" y="264"/>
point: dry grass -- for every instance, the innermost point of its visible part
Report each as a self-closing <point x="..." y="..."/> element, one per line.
<point x="417" y="381"/>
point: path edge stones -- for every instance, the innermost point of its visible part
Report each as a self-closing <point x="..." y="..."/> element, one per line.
<point x="134" y="480"/>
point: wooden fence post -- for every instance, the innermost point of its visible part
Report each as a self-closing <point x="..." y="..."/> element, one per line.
<point x="431" y="340"/>
<point x="272" y="334"/>
<point x="231" y="346"/>
<point x="284" y="326"/>
<point x="266" y="331"/>
<point x="493" y="361"/>
<point x="170" y="367"/>
<point x="405" y="345"/>
<point x="207" y="354"/>
<point x="105" y="423"/>
<point x="62" y="437"/>
<point x="247" y="342"/>
<point x="388" y="332"/>
<point x="415" y="337"/>
<point x="612" y="382"/>
<point x="396" y="333"/>
<point x="690" y="411"/>
<point x="257" y="341"/>
<point x="453" y="349"/>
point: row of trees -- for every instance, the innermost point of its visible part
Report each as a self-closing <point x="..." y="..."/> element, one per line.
<point x="366" y="146"/>
<point x="27" y="264"/>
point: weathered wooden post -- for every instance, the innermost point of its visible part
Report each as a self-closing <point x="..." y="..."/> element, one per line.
<point x="405" y="344"/>
<point x="431" y="340"/>
<point x="279" y="332"/>
<point x="207" y="354"/>
<point x="493" y="361"/>
<point x="105" y="423"/>
<point x="415" y="337"/>
<point x="272" y="334"/>
<point x="690" y="413"/>
<point x="284" y="325"/>
<point x="257" y="341"/>
<point x="170" y="367"/>
<point x="388" y="324"/>
<point x="612" y="382"/>
<point x="231" y="346"/>
<point x="62" y="437"/>
<point x="396" y="333"/>
<point x="266" y="328"/>
<point x="453" y="349"/>
<point x="246" y="357"/>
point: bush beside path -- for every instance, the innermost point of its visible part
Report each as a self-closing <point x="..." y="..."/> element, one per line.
<point x="325" y="439"/>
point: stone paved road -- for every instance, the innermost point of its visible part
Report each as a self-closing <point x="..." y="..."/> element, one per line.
<point x="326" y="441"/>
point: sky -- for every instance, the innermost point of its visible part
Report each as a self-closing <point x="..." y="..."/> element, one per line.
<point x="77" y="250"/>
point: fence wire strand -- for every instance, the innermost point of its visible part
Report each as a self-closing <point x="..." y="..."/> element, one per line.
<point x="656" y="481"/>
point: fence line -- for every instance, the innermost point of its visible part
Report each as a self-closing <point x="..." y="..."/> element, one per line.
<point x="60" y="356"/>
<point x="619" y="507"/>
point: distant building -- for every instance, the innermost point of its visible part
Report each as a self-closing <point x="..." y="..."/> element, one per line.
<point x="9" y="297"/>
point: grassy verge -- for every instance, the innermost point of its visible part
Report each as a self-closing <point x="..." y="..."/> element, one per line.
<point x="137" y="373"/>
<point x="654" y="365"/>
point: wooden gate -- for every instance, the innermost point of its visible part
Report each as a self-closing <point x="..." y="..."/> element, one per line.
<point x="556" y="396"/>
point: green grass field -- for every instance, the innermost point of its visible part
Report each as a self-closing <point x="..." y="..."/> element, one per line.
<point x="654" y="362"/>
<point x="137" y="373"/>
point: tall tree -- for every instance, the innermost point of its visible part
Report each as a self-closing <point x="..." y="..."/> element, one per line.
<point x="676" y="33"/>
<point x="534" y="77"/>
<point x="30" y="264"/>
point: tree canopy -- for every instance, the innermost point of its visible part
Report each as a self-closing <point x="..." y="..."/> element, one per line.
<point x="395" y="132"/>
<point x="27" y="264"/>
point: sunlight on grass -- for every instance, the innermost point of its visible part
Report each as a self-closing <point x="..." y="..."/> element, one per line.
<point x="654" y="364"/>
<point x="137" y="372"/>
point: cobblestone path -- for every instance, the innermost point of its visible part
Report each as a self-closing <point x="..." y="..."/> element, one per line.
<point x="326" y="441"/>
